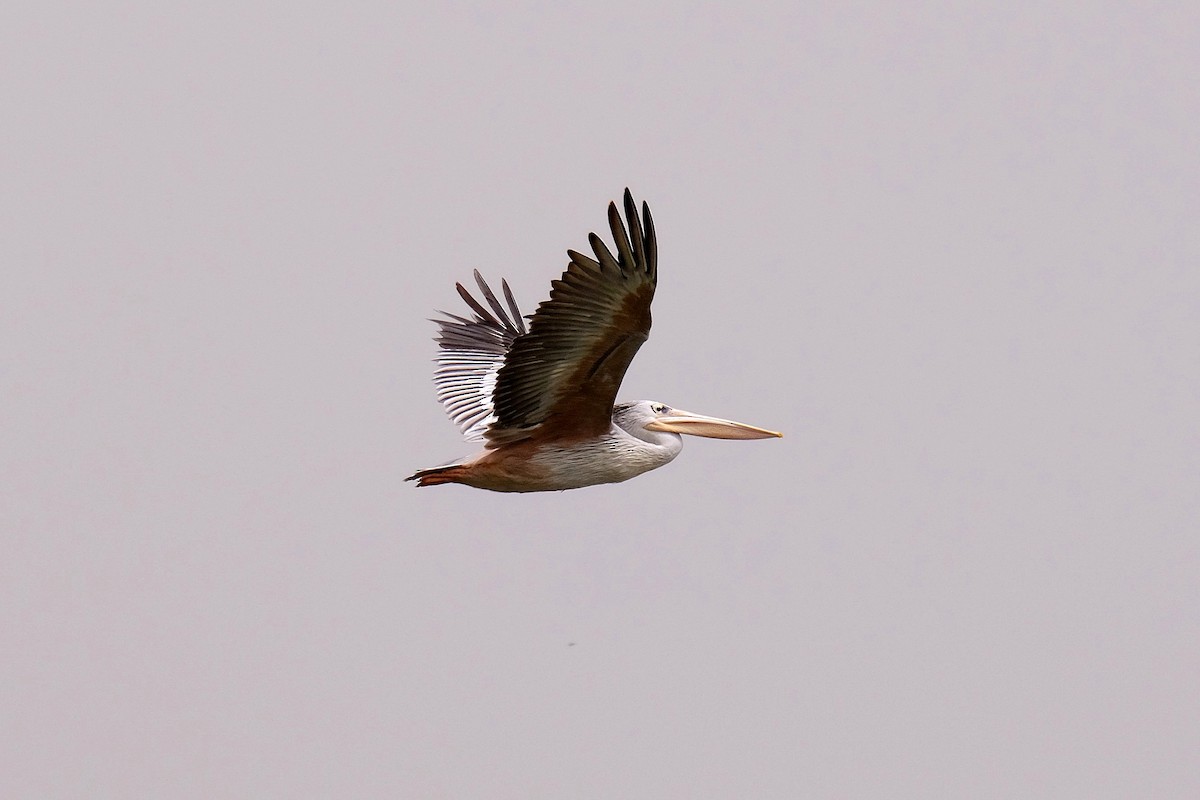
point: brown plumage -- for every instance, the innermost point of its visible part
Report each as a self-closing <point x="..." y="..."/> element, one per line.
<point x="563" y="375"/>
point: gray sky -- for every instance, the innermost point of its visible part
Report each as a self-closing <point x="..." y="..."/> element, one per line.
<point x="951" y="251"/>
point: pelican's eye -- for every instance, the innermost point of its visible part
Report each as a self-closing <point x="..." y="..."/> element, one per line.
<point x="658" y="408"/>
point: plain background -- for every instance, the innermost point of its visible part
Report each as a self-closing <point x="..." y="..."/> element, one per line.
<point x="950" y="249"/>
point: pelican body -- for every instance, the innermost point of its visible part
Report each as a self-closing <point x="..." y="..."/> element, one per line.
<point x="542" y="398"/>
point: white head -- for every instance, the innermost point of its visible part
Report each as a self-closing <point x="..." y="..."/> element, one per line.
<point x="648" y="420"/>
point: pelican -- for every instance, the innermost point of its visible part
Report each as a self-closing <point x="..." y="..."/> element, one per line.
<point x="542" y="398"/>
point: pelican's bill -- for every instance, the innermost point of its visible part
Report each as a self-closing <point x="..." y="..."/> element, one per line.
<point x="712" y="427"/>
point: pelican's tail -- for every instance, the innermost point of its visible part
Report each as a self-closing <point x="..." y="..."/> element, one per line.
<point x="435" y="476"/>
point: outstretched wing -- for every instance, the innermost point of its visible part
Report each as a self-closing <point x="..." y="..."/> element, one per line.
<point x="561" y="377"/>
<point x="470" y="357"/>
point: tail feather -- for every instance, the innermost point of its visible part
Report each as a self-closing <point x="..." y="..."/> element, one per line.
<point x="435" y="476"/>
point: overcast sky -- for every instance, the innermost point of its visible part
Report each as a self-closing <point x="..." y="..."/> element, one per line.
<point x="951" y="250"/>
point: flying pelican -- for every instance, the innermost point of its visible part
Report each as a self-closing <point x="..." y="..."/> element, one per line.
<point x="543" y="398"/>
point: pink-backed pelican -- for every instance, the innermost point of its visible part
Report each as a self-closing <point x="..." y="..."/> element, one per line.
<point x="542" y="398"/>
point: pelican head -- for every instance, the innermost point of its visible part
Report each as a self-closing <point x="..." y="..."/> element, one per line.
<point x="650" y="415"/>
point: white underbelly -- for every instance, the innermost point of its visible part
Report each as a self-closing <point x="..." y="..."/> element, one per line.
<point x="603" y="461"/>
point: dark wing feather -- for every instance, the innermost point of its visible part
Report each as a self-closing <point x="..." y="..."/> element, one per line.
<point x="471" y="353"/>
<point x="562" y="376"/>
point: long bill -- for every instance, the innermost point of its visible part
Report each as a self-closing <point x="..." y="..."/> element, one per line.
<point x="699" y="425"/>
